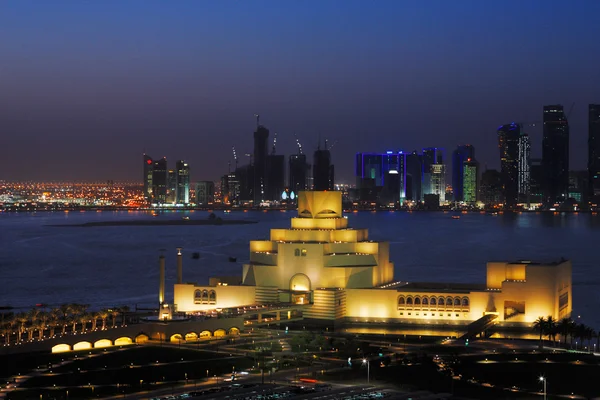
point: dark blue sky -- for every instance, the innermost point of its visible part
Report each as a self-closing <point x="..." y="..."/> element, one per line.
<point x="87" y="86"/>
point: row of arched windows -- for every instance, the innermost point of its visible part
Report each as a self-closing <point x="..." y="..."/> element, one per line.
<point x="433" y="301"/>
<point x="205" y="297"/>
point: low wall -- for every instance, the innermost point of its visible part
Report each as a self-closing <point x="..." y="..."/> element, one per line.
<point x="135" y="333"/>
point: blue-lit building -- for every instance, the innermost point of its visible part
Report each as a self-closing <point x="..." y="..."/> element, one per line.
<point x="381" y="176"/>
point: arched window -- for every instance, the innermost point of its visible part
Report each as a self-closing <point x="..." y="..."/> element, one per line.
<point x="441" y="301"/>
<point x="205" y="296"/>
<point x="409" y="301"/>
<point x="448" y="301"/>
<point x="465" y="301"/>
<point x="457" y="301"/>
<point x="198" y="297"/>
<point x="401" y="301"/>
<point x="297" y="252"/>
<point x="417" y="301"/>
<point x="212" y="297"/>
<point x="433" y="301"/>
<point x="425" y="301"/>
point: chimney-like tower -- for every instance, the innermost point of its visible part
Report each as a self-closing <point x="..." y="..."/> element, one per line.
<point x="161" y="278"/>
<point x="179" y="265"/>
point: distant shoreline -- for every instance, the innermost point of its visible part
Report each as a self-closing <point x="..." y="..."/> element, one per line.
<point x="159" y="223"/>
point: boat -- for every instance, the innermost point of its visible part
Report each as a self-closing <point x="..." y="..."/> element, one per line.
<point x="186" y="218"/>
<point x="456" y="217"/>
<point x="232" y="259"/>
<point x="195" y="256"/>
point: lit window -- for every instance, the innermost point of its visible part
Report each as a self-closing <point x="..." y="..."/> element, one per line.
<point x="303" y="252"/>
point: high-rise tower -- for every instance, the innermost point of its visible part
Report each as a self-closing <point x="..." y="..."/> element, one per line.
<point x="148" y="167"/>
<point x="459" y="156"/>
<point x="182" y="195"/>
<point x="555" y="154"/>
<point x="261" y="137"/>
<point x="594" y="151"/>
<point x="323" y="170"/>
<point x="469" y="180"/>
<point x="298" y="170"/>
<point x="159" y="181"/>
<point x="508" y="144"/>
<point x="524" y="168"/>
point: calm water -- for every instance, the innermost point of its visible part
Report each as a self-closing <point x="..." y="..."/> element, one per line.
<point x="105" y="266"/>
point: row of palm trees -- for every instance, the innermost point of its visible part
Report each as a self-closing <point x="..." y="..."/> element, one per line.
<point x="46" y="322"/>
<point x="567" y="329"/>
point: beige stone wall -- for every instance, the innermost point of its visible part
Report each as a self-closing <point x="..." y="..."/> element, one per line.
<point x="226" y="296"/>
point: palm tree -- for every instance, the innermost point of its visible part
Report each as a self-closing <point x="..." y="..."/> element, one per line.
<point x="551" y="328"/>
<point x="33" y="315"/>
<point x="564" y="327"/>
<point x="83" y="319"/>
<point x="43" y="319"/>
<point x="103" y="314"/>
<point x="580" y="333"/>
<point x="540" y="326"/>
<point x="53" y="319"/>
<point x="22" y="320"/>
<point x="6" y="331"/>
<point x="589" y="335"/>
<point x="114" y="313"/>
<point x="94" y="316"/>
<point x="30" y="329"/>
<point x="124" y="310"/>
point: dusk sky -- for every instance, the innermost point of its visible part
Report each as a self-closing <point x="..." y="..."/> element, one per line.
<point x="87" y="86"/>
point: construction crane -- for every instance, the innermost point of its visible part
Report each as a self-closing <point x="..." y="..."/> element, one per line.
<point x="274" y="143"/>
<point x="298" y="143"/>
<point x="235" y="157"/>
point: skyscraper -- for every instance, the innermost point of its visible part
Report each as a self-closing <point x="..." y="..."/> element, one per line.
<point x="323" y="170"/>
<point x="594" y="151"/>
<point x="261" y="136"/>
<point x="275" y="176"/>
<point x="434" y="173"/>
<point x="469" y="180"/>
<point x="459" y="156"/>
<point x="508" y="144"/>
<point x="148" y="167"/>
<point x="205" y="192"/>
<point x="298" y="171"/>
<point x="171" y="187"/>
<point x="414" y="176"/>
<point x="159" y="181"/>
<point x="536" y="182"/>
<point x="183" y="182"/>
<point x="555" y="154"/>
<point x="491" y="187"/>
<point x="524" y="176"/>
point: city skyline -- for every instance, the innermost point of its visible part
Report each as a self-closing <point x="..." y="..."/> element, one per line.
<point x="185" y="82"/>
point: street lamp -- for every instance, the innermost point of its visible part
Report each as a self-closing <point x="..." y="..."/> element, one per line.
<point x="365" y="361"/>
<point x="542" y="379"/>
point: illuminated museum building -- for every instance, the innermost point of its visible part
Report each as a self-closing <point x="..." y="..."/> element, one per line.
<point x="340" y="275"/>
